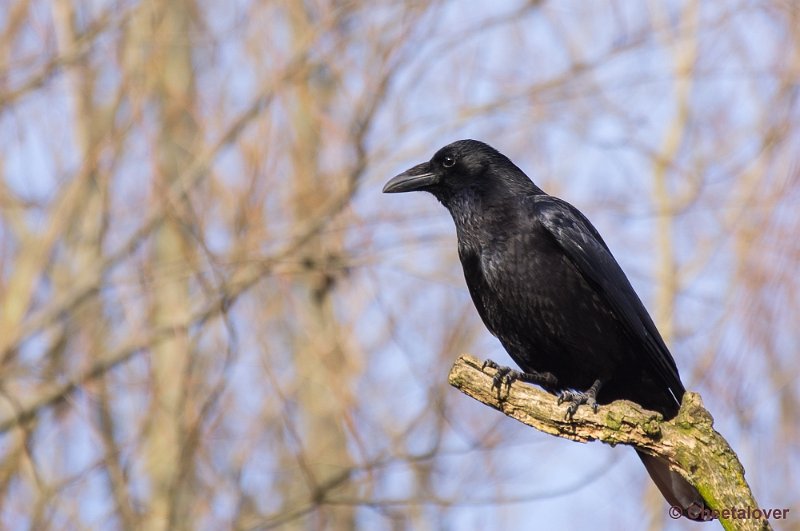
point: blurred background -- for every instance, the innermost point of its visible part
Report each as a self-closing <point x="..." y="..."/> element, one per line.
<point x="211" y="318"/>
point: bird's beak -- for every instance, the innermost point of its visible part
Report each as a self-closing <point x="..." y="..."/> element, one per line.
<point x="417" y="178"/>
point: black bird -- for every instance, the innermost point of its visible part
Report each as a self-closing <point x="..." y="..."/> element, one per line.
<point x="547" y="286"/>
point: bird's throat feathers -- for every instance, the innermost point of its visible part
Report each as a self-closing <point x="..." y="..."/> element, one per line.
<point x="472" y="211"/>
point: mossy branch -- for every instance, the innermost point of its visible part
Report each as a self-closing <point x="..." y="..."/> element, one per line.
<point x="688" y="442"/>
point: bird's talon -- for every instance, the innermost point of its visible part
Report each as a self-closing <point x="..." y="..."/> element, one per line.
<point x="503" y="376"/>
<point x="577" y="399"/>
<point x="565" y="396"/>
<point x="497" y="381"/>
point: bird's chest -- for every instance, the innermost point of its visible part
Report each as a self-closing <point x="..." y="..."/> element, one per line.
<point x="522" y="290"/>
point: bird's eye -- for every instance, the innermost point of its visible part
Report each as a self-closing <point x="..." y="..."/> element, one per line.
<point x="449" y="162"/>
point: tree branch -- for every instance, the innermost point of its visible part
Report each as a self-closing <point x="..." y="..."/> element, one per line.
<point x="688" y="442"/>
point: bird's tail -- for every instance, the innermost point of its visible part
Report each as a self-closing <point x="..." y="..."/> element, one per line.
<point x="677" y="491"/>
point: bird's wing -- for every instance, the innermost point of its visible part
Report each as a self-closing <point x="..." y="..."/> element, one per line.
<point x="588" y="252"/>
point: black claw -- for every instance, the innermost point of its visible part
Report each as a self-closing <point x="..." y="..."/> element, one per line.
<point x="564" y="396"/>
<point x="504" y="376"/>
<point x="497" y="381"/>
<point x="576" y="400"/>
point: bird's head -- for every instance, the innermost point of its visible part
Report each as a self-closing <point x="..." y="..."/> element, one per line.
<point x="464" y="166"/>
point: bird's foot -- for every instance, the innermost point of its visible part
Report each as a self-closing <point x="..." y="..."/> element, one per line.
<point x="577" y="398"/>
<point x="505" y="376"/>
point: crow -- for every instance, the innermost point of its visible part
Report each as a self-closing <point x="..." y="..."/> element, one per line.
<point x="547" y="286"/>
